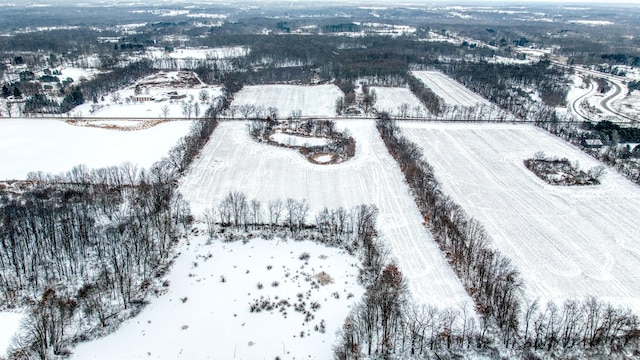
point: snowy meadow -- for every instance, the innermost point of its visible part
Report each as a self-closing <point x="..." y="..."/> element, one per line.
<point x="567" y="241"/>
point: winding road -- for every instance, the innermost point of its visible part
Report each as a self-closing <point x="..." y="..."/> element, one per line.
<point x="575" y="106"/>
<point x="615" y="81"/>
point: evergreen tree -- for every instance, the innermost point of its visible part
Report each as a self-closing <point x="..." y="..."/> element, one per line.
<point x="73" y="99"/>
<point x="5" y="91"/>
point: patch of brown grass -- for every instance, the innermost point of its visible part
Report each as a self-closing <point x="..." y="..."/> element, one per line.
<point x="324" y="278"/>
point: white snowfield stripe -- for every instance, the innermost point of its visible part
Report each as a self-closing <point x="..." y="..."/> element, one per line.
<point x="391" y="99"/>
<point x="317" y="100"/>
<point x="452" y="92"/>
<point x="54" y="146"/>
<point x="568" y="242"/>
<point x="231" y="161"/>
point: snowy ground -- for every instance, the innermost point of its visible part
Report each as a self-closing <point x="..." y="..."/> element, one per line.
<point x="629" y="105"/>
<point x="577" y="95"/>
<point x="452" y="92"/>
<point x="54" y="146"/>
<point x="309" y="100"/>
<point x="391" y="99"/>
<point x="9" y="325"/>
<point x="293" y="140"/>
<point x="201" y="317"/>
<point x="200" y="53"/>
<point x="566" y="241"/>
<point x="76" y="73"/>
<point x="231" y="161"/>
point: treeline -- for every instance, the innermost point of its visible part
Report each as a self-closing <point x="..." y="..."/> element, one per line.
<point x="82" y="250"/>
<point x="290" y="218"/>
<point x="493" y="281"/>
<point x="610" y="132"/>
<point x="427" y="97"/>
<point x="505" y="84"/>
<point x="40" y="103"/>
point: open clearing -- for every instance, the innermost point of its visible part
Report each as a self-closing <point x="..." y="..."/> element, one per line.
<point x="295" y="140"/>
<point x="202" y="317"/>
<point x="199" y="53"/>
<point x="391" y="99"/>
<point x="232" y="161"/>
<point x="452" y="92"/>
<point x="54" y="146"/>
<point x="317" y="100"/>
<point x="567" y="242"/>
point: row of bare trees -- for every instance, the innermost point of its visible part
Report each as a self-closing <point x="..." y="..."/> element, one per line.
<point x="387" y="323"/>
<point x="427" y="97"/>
<point x="493" y="281"/>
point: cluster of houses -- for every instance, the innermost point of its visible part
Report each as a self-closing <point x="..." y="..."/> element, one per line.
<point x="172" y="95"/>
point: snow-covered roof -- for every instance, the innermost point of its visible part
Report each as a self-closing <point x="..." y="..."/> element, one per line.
<point x="593" y="142"/>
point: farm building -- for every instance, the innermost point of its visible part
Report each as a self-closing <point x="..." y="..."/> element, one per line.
<point x="141" y="97"/>
<point x="173" y="95"/>
<point x="592" y="143"/>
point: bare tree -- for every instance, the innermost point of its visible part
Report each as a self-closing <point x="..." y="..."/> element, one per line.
<point x="403" y="110"/>
<point x="246" y="110"/>
<point x="196" y="109"/>
<point x="275" y="211"/>
<point x="203" y="95"/>
<point x="115" y="97"/>
<point x="187" y="109"/>
<point x="164" y="110"/>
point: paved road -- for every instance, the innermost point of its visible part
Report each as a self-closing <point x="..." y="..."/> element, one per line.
<point x="605" y="103"/>
<point x="575" y="106"/>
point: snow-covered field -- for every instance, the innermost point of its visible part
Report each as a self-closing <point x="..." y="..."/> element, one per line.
<point x="232" y="161"/>
<point x="391" y="99"/>
<point x="452" y="92"/>
<point x="202" y="317"/>
<point x="9" y="325"/>
<point x="567" y="242"/>
<point x="317" y="100"/>
<point x="54" y="146"/>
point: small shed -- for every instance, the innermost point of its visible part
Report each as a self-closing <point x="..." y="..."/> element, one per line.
<point x="592" y="143"/>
